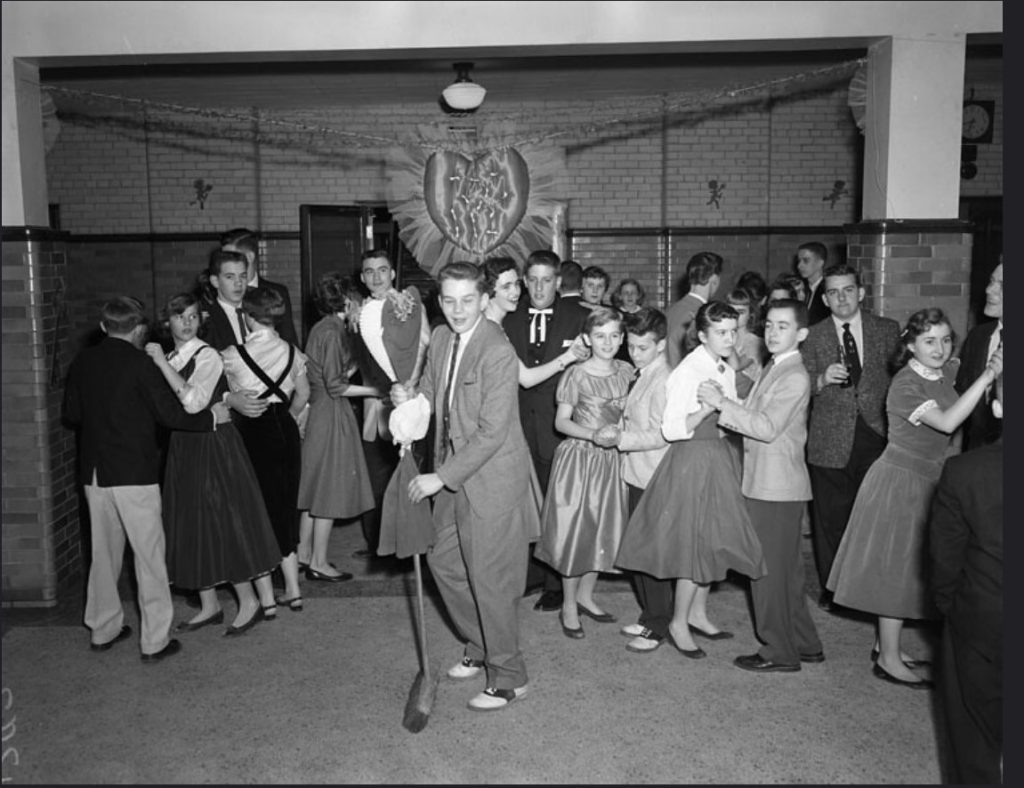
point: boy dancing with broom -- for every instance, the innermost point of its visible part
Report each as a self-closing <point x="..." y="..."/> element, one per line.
<point x="482" y="515"/>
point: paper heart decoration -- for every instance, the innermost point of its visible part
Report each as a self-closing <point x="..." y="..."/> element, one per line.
<point x="476" y="202"/>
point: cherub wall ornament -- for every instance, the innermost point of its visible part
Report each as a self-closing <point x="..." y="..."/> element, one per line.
<point x="716" y="190"/>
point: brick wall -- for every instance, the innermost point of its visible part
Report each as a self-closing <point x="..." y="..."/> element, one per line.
<point x="42" y="551"/>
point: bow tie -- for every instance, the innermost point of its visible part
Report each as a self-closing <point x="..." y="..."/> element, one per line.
<point x="538" y="325"/>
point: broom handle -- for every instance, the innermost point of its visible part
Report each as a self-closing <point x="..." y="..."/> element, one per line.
<point x="422" y="623"/>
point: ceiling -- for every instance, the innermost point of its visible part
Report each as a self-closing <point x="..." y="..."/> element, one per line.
<point x="281" y="85"/>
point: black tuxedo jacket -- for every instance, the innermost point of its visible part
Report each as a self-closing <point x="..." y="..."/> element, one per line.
<point x="966" y="544"/>
<point x="117" y="396"/>
<point x="537" y="405"/>
<point x="817" y="309"/>
<point x="981" y="426"/>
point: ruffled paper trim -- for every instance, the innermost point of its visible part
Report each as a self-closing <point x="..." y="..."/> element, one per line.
<point x="407" y="199"/>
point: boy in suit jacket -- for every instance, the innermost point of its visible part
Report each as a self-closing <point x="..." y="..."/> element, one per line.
<point x="966" y="546"/>
<point x="117" y="397"/>
<point x="847" y="356"/>
<point x="811" y="258"/>
<point x="247" y="242"/>
<point x="773" y="422"/>
<point x="982" y="427"/>
<point x="540" y="329"/>
<point x="703" y="275"/>
<point x="480" y="485"/>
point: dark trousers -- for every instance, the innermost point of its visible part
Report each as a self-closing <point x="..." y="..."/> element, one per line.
<point x="835" y="490"/>
<point x="538" y="573"/>
<point x="381" y="461"/>
<point x="654" y="594"/>
<point x="275" y="450"/>
<point x="781" y="618"/>
<point x="971" y="683"/>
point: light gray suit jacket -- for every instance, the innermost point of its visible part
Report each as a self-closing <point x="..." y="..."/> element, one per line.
<point x="490" y="459"/>
<point x="773" y="422"/>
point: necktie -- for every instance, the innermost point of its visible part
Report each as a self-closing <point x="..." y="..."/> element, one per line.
<point x="538" y="324"/>
<point x="632" y="382"/>
<point x="446" y="407"/>
<point x="243" y="330"/>
<point x="851" y="355"/>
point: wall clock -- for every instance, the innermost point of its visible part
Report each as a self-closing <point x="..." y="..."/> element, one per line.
<point x="978" y="119"/>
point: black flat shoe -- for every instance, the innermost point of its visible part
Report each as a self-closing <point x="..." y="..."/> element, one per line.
<point x="549" y="601"/>
<point x="241" y="629"/>
<point x="758" y="664"/>
<point x="575" y="634"/>
<point x="192" y="626"/>
<point x="885" y="675"/>
<point x="303" y="566"/>
<point x="720" y="635"/>
<point x="690" y="653"/>
<point x="603" y="618"/>
<point x="312" y="574"/>
<point x="907" y="662"/>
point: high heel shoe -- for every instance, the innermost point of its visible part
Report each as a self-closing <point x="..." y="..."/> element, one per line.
<point x="885" y="675"/>
<point x="241" y="629"/>
<point x="575" y="634"/>
<point x="603" y="618"/>
<point x="269" y="612"/>
<point x="192" y="626"/>
<point x="691" y="653"/>
<point x="910" y="663"/>
<point x="294" y="604"/>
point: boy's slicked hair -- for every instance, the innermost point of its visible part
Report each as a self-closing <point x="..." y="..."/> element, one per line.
<point x="220" y="256"/>
<point x="122" y="314"/>
<point x="572" y="275"/>
<point x="646" y="320"/>
<point x="597" y="272"/>
<point x="702" y="266"/>
<point x="463" y="272"/>
<point x="799" y="309"/>
<point x="543" y="257"/>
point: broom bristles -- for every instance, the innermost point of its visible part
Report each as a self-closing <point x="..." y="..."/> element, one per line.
<point x="420" y="702"/>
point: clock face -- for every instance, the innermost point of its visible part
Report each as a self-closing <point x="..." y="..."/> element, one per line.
<point x="977" y="121"/>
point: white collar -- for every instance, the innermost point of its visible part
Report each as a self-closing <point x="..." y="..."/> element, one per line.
<point x="229" y="308"/>
<point x="783" y="356"/>
<point x="925" y="372"/>
<point x="188" y="348"/>
<point x="698" y="296"/>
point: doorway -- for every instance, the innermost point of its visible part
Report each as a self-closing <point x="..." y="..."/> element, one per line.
<point x="986" y="217"/>
<point x="334" y="237"/>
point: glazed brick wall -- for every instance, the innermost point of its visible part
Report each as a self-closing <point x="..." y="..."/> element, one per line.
<point x="903" y="272"/>
<point x="42" y="551"/>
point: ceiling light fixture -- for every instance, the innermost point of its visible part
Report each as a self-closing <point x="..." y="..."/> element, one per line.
<point x="463" y="95"/>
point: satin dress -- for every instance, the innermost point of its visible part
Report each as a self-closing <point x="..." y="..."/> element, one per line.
<point x="585" y="510"/>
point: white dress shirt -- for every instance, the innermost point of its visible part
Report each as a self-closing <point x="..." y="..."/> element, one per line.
<point x="681" y="390"/>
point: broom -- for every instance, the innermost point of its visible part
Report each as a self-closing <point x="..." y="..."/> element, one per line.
<point x="424" y="688"/>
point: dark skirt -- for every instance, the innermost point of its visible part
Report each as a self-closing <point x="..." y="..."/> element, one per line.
<point x="275" y="450"/>
<point x="216" y="524"/>
<point x="691" y="521"/>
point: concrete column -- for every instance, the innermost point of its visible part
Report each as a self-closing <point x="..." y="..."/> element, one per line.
<point x="24" y="162"/>
<point x="912" y="146"/>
